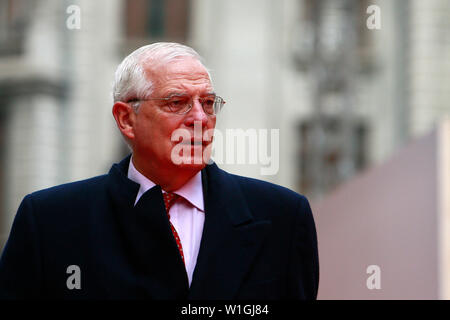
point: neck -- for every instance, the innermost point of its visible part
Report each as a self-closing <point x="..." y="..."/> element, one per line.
<point x="170" y="178"/>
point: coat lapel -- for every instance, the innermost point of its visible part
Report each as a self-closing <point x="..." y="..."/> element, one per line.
<point x="230" y="241"/>
<point x="145" y="232"/>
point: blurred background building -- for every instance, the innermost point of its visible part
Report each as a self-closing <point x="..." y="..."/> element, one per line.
<point x="348" y="100"/>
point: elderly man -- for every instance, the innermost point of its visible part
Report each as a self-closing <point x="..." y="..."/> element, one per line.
<point x="164" y="223"/>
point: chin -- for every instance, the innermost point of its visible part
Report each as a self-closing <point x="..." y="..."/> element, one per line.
<point x="197" y="165"/>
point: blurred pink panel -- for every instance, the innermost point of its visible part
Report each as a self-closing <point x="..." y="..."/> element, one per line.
<point x="386" y="216"/>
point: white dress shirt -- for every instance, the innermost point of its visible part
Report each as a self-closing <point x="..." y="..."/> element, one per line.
<point x="187" y="214"/>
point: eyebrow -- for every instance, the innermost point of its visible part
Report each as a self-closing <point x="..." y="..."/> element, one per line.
<point x="170" y="94"/>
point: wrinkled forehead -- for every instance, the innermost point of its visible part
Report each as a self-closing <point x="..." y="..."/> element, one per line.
<point x="178" y="69"/>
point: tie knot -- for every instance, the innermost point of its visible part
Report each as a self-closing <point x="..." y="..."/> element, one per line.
<point x="169" y="200"/>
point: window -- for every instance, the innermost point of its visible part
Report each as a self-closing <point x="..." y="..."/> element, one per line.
<point x="14" y="18"/>
<point x="331" y="151"/>
<point x="157" y="19"/>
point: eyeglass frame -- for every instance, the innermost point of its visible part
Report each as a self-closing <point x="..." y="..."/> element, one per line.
<point x="191" y="104"/>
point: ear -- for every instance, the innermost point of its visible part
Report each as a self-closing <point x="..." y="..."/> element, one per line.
<point x="125" y="119"/>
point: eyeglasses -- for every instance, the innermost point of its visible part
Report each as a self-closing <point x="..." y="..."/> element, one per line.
<point x="183" y="103"/>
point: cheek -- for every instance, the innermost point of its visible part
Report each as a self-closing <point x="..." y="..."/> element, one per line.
<point x="212" y="123"/>
<point x="158" y="126"/>
<point x="167" y="129"/>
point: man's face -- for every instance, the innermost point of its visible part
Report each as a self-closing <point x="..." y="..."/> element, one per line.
<point x="155" y="124"/>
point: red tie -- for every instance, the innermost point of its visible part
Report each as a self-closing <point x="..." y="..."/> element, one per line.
<point x="169" y="200"/>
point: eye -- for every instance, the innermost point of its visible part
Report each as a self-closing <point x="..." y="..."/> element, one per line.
<point x="208" y="101"/>
<point x="178" y="101"/>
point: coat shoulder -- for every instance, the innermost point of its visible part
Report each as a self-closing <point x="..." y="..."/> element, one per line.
<point x="271" y="200"/>
<point x="267" y="190"/>
<point x="72" y="190"/>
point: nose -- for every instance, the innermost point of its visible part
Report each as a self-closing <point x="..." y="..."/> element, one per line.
<point x="196" y="114"/>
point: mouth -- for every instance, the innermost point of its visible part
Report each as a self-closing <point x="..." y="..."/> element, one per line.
<point x="195" y="143"/>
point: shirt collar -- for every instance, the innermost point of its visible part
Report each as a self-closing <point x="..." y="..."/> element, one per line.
<point x="192" y="190"/>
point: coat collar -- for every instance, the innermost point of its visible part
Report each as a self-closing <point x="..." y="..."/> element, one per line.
<point x="230" y="240"/>
<point x="144" y="229"/>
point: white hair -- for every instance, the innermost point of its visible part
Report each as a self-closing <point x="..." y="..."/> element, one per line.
<point x="131" y="82"/>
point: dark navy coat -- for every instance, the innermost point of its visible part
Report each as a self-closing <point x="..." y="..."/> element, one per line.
<point x="259" y="242"/>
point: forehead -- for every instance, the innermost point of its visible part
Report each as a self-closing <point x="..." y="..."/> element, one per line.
<point x="181" y="75"/>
